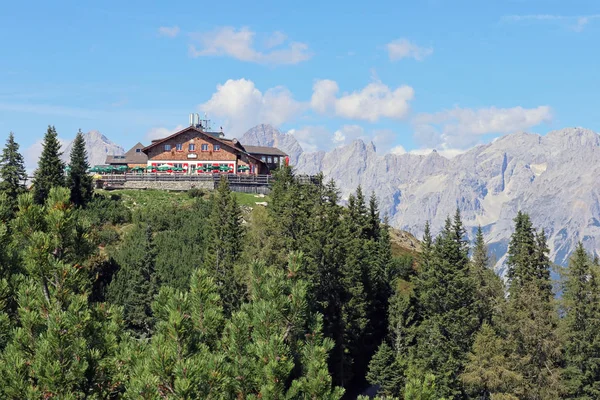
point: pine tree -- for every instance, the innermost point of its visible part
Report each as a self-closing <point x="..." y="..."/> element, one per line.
<point x="581" y="326"/>
<point x="225" y="246"/>
<point x="490" y="373"/>
<point x="448" y="305"/>
<point x="274" y="342"/>
<point x="12" y="171"/>
<point x="62" y="346"/>
<point x="135" y="284"/>
<point x="181" y="360"/>
<point x="489" y="289"/>
<point x="420" y="386"/>
<point x="78" y="180"/>
<point x="51" y="170"/>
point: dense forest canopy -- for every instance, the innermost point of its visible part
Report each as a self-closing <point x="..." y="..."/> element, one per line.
<point x="196" y="296"/>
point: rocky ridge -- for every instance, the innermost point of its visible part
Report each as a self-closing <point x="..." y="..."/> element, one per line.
<point x="551" y="177"/>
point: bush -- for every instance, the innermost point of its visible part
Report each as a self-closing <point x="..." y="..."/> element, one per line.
<point x="196" y="192"/>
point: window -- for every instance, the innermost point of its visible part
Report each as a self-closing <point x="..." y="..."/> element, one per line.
<point x="138" y="150"/>
<point x="204" y="147"/>
<point x="216" y="147"/>
<point x="179" y="146"/>
<point x="167" y="147"/>
<point x="177" y="165"/>
<point x="263" y="159"/>
<point x="192" y="147"/>
<point x="269" y="160"/>
<point x="276" y="160"/>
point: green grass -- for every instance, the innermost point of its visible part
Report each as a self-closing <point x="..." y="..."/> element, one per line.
<point x="250" y="199"/>
<point x="143" y="198"/>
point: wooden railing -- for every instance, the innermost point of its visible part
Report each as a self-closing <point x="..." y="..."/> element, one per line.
<point x="261" y="180"/>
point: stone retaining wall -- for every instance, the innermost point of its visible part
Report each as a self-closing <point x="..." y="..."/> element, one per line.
<point x="162" y="185"/>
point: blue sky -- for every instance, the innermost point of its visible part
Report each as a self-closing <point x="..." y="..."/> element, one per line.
<point x="410" y="76"/>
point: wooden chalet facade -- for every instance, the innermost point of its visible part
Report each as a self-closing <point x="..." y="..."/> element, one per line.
<point x="194" y="151"/>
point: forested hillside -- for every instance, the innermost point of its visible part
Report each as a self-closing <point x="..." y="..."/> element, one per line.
<point x="194" y="296"/>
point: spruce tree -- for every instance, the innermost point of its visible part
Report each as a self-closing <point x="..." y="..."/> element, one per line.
<point x="531" y="320"/>
<point x="521" y="260"/>
<point x="51" y="170"/>
<point x="135" y="284"/>
<point x="12" y="171"/>
<point x="489" y="289"/>
<point x="581" y="326"/>
<point x="225" y="246"/>
<point x="447" y="302"/>
<point x="78" y="180"/>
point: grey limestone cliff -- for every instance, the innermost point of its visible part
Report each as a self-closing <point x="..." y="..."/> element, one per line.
<point x="554" y="178"/>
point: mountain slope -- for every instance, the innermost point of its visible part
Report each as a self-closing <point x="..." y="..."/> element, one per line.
<point x="552" y="177"/>
<point x="98" y="147"/>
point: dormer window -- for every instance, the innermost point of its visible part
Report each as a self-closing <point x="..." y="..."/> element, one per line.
<point x="167" y="147"/>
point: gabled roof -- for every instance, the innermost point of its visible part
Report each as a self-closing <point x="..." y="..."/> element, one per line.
<point x="132" y="156"/>
<point x="230" y="143"/>
<point x="263" y="150"/>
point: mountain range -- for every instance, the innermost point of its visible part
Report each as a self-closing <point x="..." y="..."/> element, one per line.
<point x="553" y="177"/>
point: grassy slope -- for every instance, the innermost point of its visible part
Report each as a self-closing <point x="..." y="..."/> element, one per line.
<point x="143" y="198"/>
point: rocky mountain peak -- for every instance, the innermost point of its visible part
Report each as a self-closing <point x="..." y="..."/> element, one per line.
<point x="97" y="146"/>
<point x="267" y="135"/>
<point x="551" y="177"/>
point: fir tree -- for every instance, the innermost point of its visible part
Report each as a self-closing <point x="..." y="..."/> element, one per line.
<point x="78" y="180"/>
<point x="581" y="326"/>
<point x="12" y="171"/>
<point x="51" y="170"/>
<point x="225" y="245"/>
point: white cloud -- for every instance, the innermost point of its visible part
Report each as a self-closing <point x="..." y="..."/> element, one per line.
<point x="373" y="102"/>
<point x="574" y="22"/>
<point x="241" y="105"/>
<point x="398" y="150"/>
<point x="312" y="138"/>
<point x="276" y="39"/>
<point x="315" y="138"/>
<point x="239" y="44"/>
<point x="462" y="127"/>
<point x="347" y="134"/>
<point x="403" y="48"/>
<point x="161" y="132"/>
<point x="168" y="31"/>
